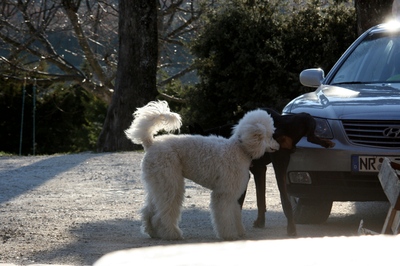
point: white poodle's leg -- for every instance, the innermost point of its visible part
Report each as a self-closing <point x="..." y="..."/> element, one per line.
<point x="148" y="213"/>
<point x="237" y="212"/>
<point x="168" y="191"/>
<point x="223" y="215"/>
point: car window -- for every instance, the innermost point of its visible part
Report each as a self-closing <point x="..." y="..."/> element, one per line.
<point x="376" y="59"/>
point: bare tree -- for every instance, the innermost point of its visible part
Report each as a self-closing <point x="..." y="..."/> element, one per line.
<point x="76" y="42"/>
<point x="137" y="69"/>
<point x="179" y="21"/>
<point x="147" y="28"/>
<point x="50" y="40"/>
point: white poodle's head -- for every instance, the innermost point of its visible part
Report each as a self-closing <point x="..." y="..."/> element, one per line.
<point x="255" y="132"/>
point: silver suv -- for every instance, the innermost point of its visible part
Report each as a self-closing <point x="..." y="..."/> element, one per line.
<point x="357" y="105"/>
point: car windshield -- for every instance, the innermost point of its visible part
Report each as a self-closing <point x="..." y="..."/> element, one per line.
<point x="375" y="60"/>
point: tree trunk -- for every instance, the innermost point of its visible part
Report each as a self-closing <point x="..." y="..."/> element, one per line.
<point x="136" y="73"/>
<point x="371" y="13"/>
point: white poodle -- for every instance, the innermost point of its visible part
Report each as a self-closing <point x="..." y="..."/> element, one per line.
<point x="219" y="164"/>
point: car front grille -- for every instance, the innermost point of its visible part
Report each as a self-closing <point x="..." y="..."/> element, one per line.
<point x="373" y="133"/>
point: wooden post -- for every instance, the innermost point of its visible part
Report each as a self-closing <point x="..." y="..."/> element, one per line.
<point x="391" y="186"/>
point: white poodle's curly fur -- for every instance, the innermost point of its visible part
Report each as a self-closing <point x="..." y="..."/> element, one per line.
<point x="220" y="164"/>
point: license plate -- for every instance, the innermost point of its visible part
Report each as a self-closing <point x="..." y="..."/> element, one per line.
<point x="368" y="163"/>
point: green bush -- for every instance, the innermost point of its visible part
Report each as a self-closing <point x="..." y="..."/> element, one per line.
<point x="250" y="56"/>
<point x="66" y="119"/>
<point x="316" y="37"/>
<point x="238" y="56"/>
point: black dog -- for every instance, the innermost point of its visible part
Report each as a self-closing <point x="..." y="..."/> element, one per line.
<point x="289" y="130"/>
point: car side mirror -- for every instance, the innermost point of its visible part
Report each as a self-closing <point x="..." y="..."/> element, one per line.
<point x="312" y="77"/>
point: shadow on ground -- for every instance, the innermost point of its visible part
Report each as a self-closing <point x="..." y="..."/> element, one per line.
<point x="13" y="183"/>
<point x="93" y="240"/>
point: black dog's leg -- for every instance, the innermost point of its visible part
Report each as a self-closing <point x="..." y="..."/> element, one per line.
<point x="258" y="169"/>
<point x="326" y="143"/>
<point x="310" y="133"/>
<point x="241" y="199"/>
<point x="280" y="160"/>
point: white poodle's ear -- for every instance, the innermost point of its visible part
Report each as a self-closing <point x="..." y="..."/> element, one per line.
<point x="253" y="139"/>
<point x="258" y="133"/>
<point x="252" y="133"/>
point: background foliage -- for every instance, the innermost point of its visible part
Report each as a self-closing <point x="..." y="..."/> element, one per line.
<point x="250" y="56"/>
<point x="247" y="55"/>
<point x="67" y="120"/>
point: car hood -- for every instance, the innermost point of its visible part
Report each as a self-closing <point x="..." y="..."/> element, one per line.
<point x="359" y="101"/>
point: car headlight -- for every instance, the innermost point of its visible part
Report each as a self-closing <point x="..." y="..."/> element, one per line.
<point x="323" y="130"/>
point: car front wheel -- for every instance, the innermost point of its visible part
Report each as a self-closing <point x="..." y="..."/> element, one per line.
<point x="310" y="211"/>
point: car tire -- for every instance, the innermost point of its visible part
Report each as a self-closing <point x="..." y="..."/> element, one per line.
<point x="310" y="211"/>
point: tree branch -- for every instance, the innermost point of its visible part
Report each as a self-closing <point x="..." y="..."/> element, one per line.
<point x="83" y="42"/>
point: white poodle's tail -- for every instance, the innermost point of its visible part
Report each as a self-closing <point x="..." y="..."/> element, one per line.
<point x="150" y="119"/>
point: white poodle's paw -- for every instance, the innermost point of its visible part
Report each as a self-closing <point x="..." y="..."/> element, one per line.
<point x="242" y="234"/>
<point x="171" y="234"/>
<point x="149" y="230"/>
<point x="230" y="237"/>
<point x="241" y="230"/>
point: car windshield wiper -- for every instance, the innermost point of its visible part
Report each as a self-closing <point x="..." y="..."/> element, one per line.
<point x="348" y="82"/>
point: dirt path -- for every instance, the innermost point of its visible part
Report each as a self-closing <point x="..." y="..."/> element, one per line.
<point x="72" y="209"/>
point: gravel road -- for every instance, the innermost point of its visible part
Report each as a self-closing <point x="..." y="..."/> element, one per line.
<point x="72" y="209"/>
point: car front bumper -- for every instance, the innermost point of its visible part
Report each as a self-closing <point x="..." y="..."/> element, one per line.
<point x="330" y="173"/>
